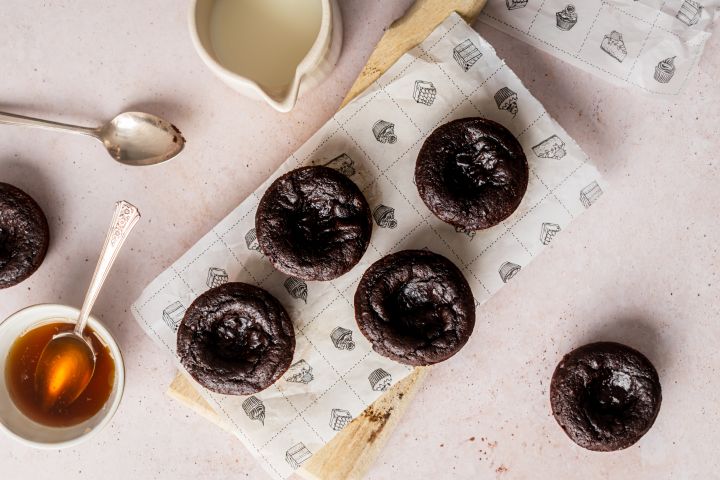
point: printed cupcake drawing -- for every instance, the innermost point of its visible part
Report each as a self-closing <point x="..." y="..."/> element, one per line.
<point x="506" y="99"/>
<point x="385" y="217"/>
<point x="567" y="18"/>
<point x="665" y="70"/>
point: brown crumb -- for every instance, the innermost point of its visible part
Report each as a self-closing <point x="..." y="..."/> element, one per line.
<point x="472" y="439"/>
<point x="376" y="417"/>
<point x="501" y="469"/>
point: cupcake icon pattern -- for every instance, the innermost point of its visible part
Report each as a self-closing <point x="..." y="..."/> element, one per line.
<point x="506" y="99"/>
<point x="342" y="339"/>
<point x="251" y="240"/>
<point x="385" y="217"/>
<point x="384" y="132"/>
<point x="566" y="18"/>
<point x="380" y="380"/>
<point x="296" y="288"/>
<point x="665" y="70"/>
<point x="508" y="270"/>
<point x="254" y="409"/>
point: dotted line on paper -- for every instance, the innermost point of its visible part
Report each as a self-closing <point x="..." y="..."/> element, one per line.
<point x="150" y="327"/>
<point x="647" y="37"/>
<point x="331" y="364"/>
<point x="535" y="17"/>
<point x="401" y="110"/>
<point x="201" y="254"/>
<point x="521" y="217"/>
<point x="587" y="62"/>
<point x="311" y="404"/>
<point x="244" y="435"/>
<point x="316" y="316"/>
<point x="244" y="264"/>
<point x="299" y="414"/>
<point x="592" y="27"/>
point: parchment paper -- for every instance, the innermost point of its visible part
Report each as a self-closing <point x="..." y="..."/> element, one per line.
<point x="651" y="33"/>
<point x="375" y="140"/>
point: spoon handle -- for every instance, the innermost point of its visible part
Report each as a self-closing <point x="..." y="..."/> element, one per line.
<point x="14" y="119"/>
<point x="124" y="219"/>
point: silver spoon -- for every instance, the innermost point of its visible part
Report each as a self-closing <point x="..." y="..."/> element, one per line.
<point x="132" y="138"/>
<point x="67" y="363"/>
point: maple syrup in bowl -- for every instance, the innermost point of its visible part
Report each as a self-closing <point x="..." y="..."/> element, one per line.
<point x="23" y="337"/>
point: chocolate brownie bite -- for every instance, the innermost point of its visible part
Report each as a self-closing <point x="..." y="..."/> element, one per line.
<point x="313" y="223"/>
<point x="472" y="173"/>
<point x="415" y="307"/>
<point x="236" y="339"/>
<point x="605" y="396"/>
<point x="24" y="235"/>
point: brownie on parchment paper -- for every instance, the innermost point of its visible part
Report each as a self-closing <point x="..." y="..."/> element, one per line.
<point x="236" y="339"/>
<point x="415" y="307"/>
<point x="313" y="223"/>
<point x="472" y="173"/>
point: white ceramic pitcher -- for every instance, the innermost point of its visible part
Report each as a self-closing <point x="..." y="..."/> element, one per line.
<point x="309" y="71"/>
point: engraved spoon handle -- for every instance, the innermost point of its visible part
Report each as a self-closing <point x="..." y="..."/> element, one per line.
<point x="14" y="119"/>
<point x="124" y="219"/>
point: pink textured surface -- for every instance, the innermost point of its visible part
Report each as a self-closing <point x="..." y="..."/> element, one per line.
<point x="640" y="267"/>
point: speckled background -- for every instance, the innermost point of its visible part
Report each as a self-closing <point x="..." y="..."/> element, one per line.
<point x="641" y="266"/>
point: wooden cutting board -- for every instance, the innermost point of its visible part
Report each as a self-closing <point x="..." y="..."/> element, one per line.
<point x="352" y="452"/>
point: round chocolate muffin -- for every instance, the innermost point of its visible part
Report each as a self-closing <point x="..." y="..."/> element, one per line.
<point x="605" y="396"/>
<point x="24" y="235"/>
<point x="415" y="307"/>
<point x="236" y="339"/>
<point x="471" y="173"/>
<point x="313" y="223"/>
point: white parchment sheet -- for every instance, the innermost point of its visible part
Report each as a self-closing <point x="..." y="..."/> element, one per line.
<point x="651" y="44"/>
<point x="375" y="140"/>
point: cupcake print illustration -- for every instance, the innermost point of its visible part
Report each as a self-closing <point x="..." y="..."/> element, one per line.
<point x="665" y="70"/>
<point x="567" y="18"/>
<point x="506" y="99"/>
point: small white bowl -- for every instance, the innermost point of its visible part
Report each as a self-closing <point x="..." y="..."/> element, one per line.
<point x="13" y="422"/>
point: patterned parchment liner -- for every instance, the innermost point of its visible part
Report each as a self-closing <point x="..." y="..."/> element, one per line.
<point x="651" y="44"/>
<point x="374" y="140"/>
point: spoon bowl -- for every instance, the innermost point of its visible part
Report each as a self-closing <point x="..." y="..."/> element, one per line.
<point x="140" y="139"/>
<point x="64" y="369"/>
<point x="132" y="138"/>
